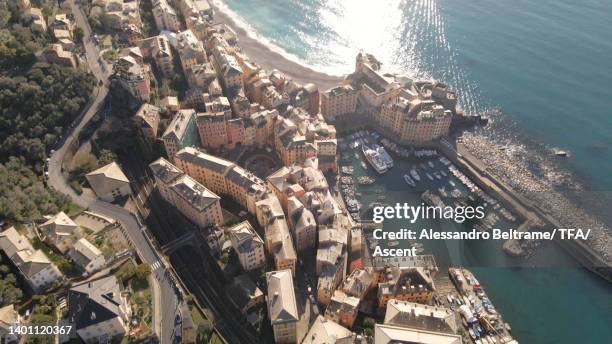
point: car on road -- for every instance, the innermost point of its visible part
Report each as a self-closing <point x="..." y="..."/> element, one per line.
<point x="178" y="320"/>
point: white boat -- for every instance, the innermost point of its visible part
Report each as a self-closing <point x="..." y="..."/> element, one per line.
<point x="437" y="175"/>
<point x="385" y="156"/>
<point x="363" y="164"/>
<point x="418" y="247"/>
<point x="444" y="173"/>
<point x="409" y="180"/>
<point x="393" y="243"/>
<point x="452" y="183"/>
<point x="415" y="175"/>
<point x="429" y="176"/>
<point x="376" y="160"/>
<point x="431" y="164"/>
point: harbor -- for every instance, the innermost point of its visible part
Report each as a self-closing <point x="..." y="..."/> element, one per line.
<point x="425" y="177"/>
<point x="495" y="267"/>
<point x="479" y="317"/>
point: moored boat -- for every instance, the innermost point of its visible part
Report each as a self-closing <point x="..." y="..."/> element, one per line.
<point x="375" y="159"/>
<point x="365" y="180"/>
<point x="409" y="180"/>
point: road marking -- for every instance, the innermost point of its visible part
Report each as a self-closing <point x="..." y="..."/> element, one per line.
<point x="156" y="265"/>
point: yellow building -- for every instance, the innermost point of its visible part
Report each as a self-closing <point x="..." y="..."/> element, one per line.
<point x="416" y="120"/>
<point x="191" y="198"/>
<point x="221" y="176"/>
<point x="282" y="306"/>
<point x="405" y="284"/>
<point x="338" y="101"/>
<point x="212" y="129"/>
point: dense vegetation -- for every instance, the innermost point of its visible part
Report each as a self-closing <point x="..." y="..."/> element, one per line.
<point x="37" y="103"/>
<point x="23" y="195"/>
<point x="9" y="291"/>
<point x="36" y="107"/>
<point x="18" y="44"/>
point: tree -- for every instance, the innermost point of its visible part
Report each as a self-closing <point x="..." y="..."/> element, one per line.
<point x="78" y="34"/>
<point x="106" y="156"/>
<point x="143" y="271"/>
<point x="23" y="196"/>
<point x="126" y="271"/>
<point x="9" y="292"/>
<point x="203" y="332"/>
<point x="36" y="107"/>
<point x="369" y="323"/>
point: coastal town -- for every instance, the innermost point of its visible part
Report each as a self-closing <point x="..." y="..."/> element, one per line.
<point x="213" y="201"/>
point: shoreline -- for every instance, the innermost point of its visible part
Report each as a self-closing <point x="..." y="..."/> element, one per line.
<point x="269" y="59"/>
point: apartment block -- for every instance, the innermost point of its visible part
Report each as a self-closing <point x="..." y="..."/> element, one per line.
<point x="133" y="77"/>
<point x="248" y="245"/>
<point x="165" y="16"/>
<point x="302" y="223"/>
<point x="222" y="177"/>
<point x="146" y="121"/>
<point x="338" y="101"/>
<point x="282" y="306"/>
<point x="212" y="128"/>
<point x="181" y="132"/>
<point x="405" y="284"/>
<point x="190" y="49"/>
<point x="192" y="199"/>
<point x="342" y="309"/>
<point x="158" y="49"/>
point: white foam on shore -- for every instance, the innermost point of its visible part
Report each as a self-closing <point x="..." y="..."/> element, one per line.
<point x="540" y="187"/>
<point x="252" y="33"/>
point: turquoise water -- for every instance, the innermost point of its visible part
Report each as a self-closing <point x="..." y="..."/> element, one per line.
<point x="544" y="64"/>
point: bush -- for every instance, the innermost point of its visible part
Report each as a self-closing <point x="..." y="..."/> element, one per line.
<point x="76" y="187"/>
<point x="142" y="271"/>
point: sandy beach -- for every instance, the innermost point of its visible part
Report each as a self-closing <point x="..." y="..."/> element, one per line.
<point x="269" y="59"/>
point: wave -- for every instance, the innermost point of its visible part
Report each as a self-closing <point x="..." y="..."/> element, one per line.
<point x="422" y="50"/>
<point x="251" y="32"/>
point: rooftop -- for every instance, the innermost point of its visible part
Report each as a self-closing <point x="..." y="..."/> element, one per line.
<point x="110" y="171"/>
<point x="282" y="306"/>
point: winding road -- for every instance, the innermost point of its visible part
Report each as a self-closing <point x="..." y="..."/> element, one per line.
<point x="165" y="302"/>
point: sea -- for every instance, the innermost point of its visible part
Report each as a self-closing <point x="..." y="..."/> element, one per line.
<point x="541" y="70"/>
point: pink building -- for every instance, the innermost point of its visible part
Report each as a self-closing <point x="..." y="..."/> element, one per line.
<point x="235" y="132"/>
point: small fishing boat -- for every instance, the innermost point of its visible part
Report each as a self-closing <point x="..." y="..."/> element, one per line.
<point x="409" y="180"/>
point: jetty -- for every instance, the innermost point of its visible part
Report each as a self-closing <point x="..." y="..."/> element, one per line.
<point x="532" y="215"/>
